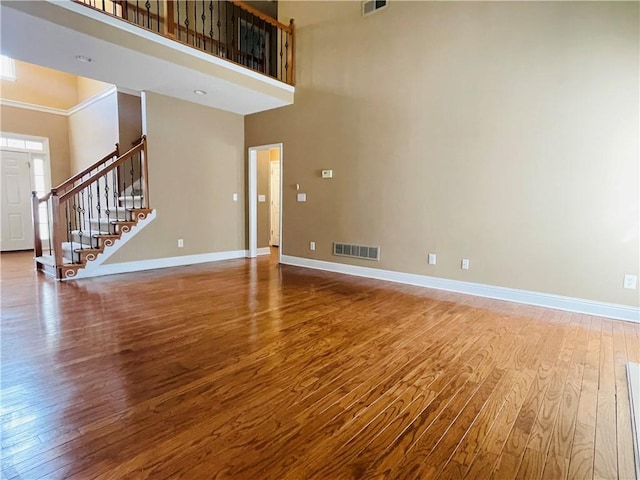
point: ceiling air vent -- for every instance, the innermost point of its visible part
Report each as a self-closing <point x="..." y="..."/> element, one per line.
<point x="356" y="251"/>
<point x="373" y="6"/>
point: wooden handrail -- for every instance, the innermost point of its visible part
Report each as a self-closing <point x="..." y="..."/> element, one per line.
<point x="261" y="16"/>
<point x="116" y="163"/>
<point x="87" y="170"/>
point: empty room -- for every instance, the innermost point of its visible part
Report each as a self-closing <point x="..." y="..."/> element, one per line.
<point x="319" y="239"/>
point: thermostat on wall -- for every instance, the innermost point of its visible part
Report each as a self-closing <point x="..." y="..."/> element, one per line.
<point x="327" y="173"/>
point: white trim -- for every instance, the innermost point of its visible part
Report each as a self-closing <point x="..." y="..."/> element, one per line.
<point x="166" y="262"/>
<point x="135" y="30"/>
<point x="253" y="196"/>
<point x="571" y="304"/>
<point x="90" y="101"/>
<point x="58" y="111"/>
<point x="263" y="251"/>
<point x="30" y="106"/>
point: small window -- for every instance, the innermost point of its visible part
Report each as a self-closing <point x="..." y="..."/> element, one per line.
<point x="7" y="68"/>
<point x="34" y="145"/>
<point x="15" y="143"/>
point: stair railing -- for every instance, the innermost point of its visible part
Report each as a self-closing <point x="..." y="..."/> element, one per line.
<point x="230" y="29"/>
<point x="84" y="208"/>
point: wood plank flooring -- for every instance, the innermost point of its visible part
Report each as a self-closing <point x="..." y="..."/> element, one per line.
<point x="249" y="370"/>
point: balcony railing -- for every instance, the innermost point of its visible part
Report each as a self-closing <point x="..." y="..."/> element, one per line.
<point x="228" y="29"/>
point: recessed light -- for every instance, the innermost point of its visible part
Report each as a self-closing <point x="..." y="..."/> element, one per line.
<point x="83" y="59"/>
<point x="199" y="92"/>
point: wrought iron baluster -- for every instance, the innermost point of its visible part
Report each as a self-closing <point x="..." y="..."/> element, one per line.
<point x="147" y="6"/>
<point x="137" y="12"/>
<point x="219" y="50"/>
<point x="233" y="33"/>
<point x="68" y="222"/>
<point x="178" y="19"/>
<point x="98" y="207"/>
<point x="227" y="28"/>
<point x="286" y="65"/>
<point x="158" y="17"/>
<point x="253" y="43"/>
<point x="186" y="19"/>
<point x="281" y="61"/>
<point x="245" y="50"/>
<point x="133" y="193"/>
<point x="203" y="17"/>
<point x="107" y="211"/>
<point x="211" y="32"/>
<point x="90" y="214"/>
<point x="104" y="8"/>
<point x="116" y="202"/>
<point x="140" y="179"/>
<point x="264" y="47"/>
<point x="76" y="211"/>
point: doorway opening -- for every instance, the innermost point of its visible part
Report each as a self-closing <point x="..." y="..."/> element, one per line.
<point x="24" y="168"/>
<point x="265" y="200"/>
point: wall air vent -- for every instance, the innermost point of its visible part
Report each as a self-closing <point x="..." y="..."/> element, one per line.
<point x="372" y="6"/>
<point x="356" y="251"/>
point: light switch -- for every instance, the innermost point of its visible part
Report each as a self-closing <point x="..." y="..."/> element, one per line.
<point x="262" y="198"/>
<point x="432" y="259"/>
<point x="302" y="197"/>
<point x="327" y="173"/>
<point x="235" y="197"/>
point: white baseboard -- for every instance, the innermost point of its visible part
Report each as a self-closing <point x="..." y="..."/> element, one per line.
<point x="579" y="305"/>
<point x="128" y="267"/>
<point x="264" y="251"/>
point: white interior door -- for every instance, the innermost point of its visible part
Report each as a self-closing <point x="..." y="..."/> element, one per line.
<point x="275" y="204"/>
<point x="15" y="202"/>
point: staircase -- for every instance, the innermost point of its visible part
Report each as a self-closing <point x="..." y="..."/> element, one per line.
<point x="81" y="222"/>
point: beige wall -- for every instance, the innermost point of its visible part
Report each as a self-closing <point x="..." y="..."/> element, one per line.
<point x="93" y="132"/>
<point x="54" y="127"/>
<point x="41" y="86"/>
<point x="129" y="120"/>
<point x="196" y="164"/>
<point x="501" y="132"/>
<point x="263" y="211"/>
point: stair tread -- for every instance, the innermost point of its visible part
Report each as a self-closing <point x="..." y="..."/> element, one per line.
<point x="50" y="260"/>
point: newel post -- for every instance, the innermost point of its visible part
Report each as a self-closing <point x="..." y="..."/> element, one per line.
<point x="56" y="230"/>
<point x="145" y="174"/>
<point x="169" y="20"/>
<point x="35" y="213"/>
<point x="291" y="55"/>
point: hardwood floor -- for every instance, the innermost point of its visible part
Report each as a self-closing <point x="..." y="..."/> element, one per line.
<point x="251" y="370"/>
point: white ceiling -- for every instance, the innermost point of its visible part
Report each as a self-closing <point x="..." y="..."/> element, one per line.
<point x="165" y="67"/>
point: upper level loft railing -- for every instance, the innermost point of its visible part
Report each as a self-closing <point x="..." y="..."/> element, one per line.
<point x="229" y="29"/>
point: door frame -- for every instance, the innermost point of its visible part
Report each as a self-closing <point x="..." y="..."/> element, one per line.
<point x="252" y="197"/>
<point x="271" y="201"/>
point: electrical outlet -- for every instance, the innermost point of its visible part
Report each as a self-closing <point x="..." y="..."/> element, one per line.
<point x="630" y="282"/>
<point x="465" y="264"/>
<point x="432" y="259"/>
<point x="312" y="245"/>
<point x="180" y="243"/>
